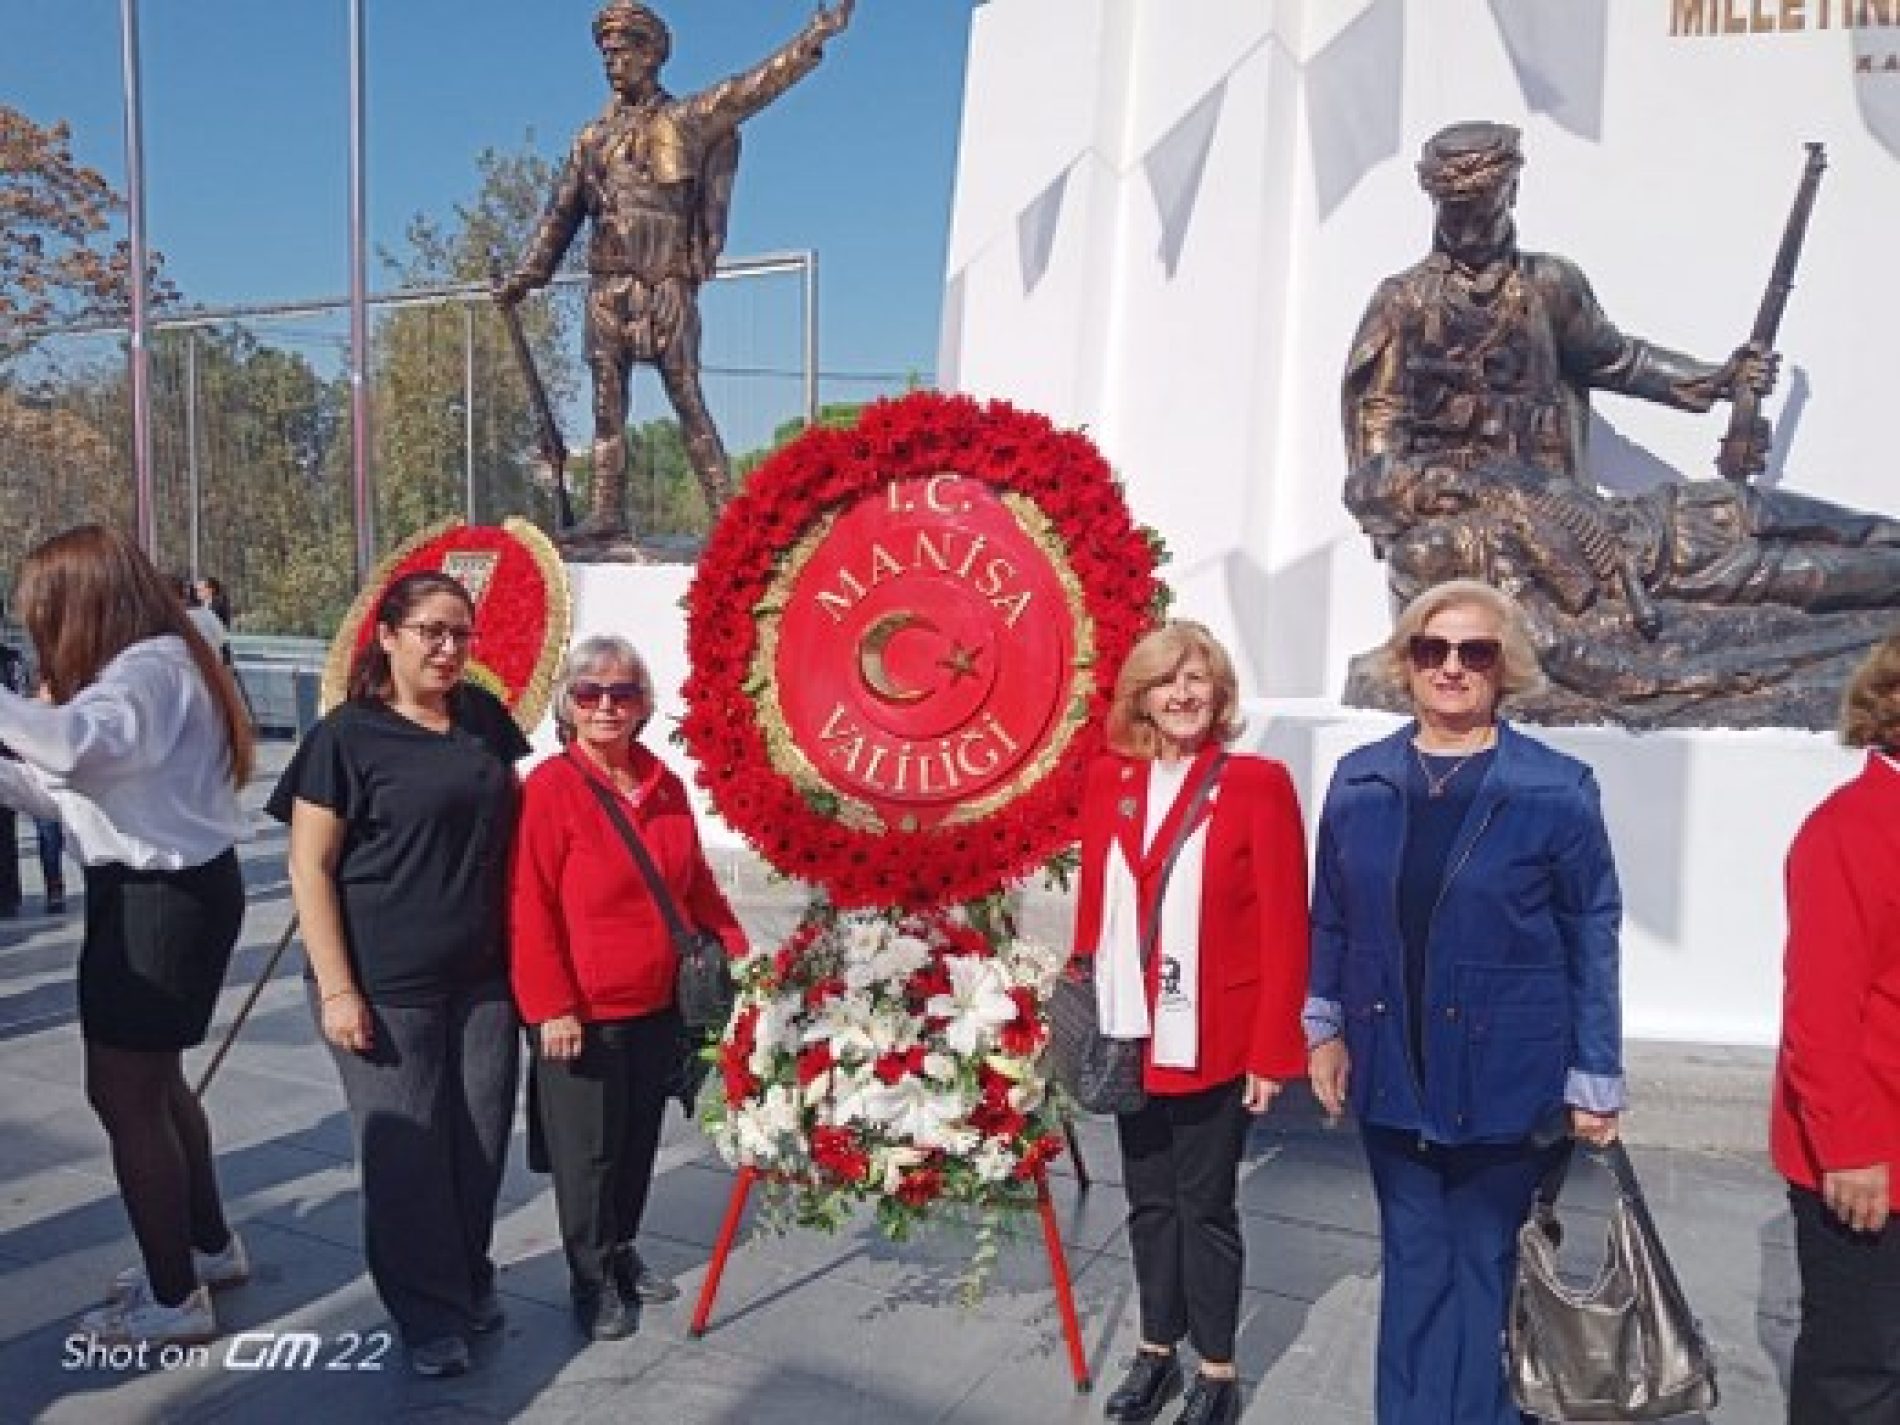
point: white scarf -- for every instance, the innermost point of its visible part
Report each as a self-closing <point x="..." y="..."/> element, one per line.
<point x="1121" y="991"/>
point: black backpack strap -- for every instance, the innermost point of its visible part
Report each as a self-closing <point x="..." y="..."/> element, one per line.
<point x="636" y="848"/>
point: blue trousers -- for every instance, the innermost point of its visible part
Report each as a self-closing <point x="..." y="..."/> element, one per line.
<point x="1448" y="1220"/>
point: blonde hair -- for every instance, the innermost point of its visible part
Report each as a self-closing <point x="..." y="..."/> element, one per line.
<point x="1518" y="669"/>
<point x="1870" y="709"/>
<point x="1154" y="661"/>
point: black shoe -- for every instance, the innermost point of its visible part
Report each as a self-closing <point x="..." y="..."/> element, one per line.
<point x="56" y="903"/>
<point x="638" y="1281"/>
<point x="487" y="1315"/>
<point x="605" y="1315"/>
<point x="1152" y="1381"/>
<point x="1210" y="1402"/>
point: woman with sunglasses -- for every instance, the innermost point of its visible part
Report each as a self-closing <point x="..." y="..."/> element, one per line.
<point x="401" y="805"/>
<point x="1463" y="998"/>
<point x="594" y="970"/>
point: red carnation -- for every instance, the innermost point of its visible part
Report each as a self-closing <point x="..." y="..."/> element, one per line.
<point x="836" y="1151"/>
<point x="830" y="987"/>
<point x="815" y="1062"/>
<point x="920" y="1187"/>
<point x="1045" y="1149"/>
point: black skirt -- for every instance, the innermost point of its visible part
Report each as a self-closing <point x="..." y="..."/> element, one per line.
<point x="156" y="949"/>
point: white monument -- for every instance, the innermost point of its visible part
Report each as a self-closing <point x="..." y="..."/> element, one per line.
<point x="1170" y="214"/>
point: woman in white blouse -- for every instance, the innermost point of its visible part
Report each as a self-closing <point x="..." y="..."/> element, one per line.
<point x="140" y="753"/>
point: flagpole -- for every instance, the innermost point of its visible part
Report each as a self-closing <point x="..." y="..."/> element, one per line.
<point x="361" y="503"/>
<point x="145" y="509"/>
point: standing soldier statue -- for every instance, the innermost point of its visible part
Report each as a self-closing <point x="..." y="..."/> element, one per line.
<point x="654" y="176"/>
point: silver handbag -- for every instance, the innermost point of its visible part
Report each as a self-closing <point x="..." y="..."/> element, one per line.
<point x="1627" y="1347"/>
<point x="1100" y="1074"/>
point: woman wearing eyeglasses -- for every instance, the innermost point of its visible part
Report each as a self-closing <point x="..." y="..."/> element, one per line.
<point x="1463" y="998"/>
<point x="401" y="805"/>
<point x="594" y="970"/>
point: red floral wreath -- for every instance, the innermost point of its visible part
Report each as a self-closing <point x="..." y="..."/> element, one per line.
<point x="522" y="610"/>
<point x="912" y="437"/>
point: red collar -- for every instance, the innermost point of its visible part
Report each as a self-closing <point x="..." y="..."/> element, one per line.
<point x="648" y="771"/>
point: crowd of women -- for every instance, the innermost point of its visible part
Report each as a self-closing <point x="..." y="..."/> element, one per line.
<point x="1452" y="982"/>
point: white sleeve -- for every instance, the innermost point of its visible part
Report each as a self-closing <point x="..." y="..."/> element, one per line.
<point x="130" y="718"/>
<point x="22" y="789"/>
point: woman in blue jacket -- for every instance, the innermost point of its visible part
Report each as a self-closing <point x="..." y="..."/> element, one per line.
<point x="1463" y="998"/>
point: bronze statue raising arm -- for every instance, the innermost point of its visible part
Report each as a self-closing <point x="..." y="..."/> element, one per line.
<point x="652" y="176"/>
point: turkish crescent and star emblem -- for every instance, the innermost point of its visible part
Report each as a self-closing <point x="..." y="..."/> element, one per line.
<point x="919" y="649"/>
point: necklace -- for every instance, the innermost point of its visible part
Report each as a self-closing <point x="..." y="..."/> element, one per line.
<point x="1435" y="786"/>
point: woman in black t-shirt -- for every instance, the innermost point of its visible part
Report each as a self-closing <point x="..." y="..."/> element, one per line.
<point x="401" y="805"/>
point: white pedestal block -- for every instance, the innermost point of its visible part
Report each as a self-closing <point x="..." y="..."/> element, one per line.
<point x="1700" y="821"/>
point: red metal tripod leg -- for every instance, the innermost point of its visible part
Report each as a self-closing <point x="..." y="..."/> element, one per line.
<point x="1065" y="1295"/>
<point x="735" y="1211"/>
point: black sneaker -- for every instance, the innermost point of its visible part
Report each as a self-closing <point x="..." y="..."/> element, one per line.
<point x="487" y="1315"/>
<point x="605" y="1315"/>
<point x="1152" y="1381"/>
<point x="638" y="1281"/>
<point x="1210" y="1401"/>
<point x="56" y="903"/>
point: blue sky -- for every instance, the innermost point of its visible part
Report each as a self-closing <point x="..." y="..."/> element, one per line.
<point x="246" y="123"/>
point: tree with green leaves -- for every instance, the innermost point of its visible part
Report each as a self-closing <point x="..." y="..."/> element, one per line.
<point x="420" y="416"/>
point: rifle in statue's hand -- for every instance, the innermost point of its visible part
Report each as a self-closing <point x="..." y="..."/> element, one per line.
<point x="1744" y="450"/>
<point x="547" y="430"/>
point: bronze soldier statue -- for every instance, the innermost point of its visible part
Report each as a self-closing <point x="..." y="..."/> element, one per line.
<point x="1484" y="352"/>
<point x="653" y="174"/>
<point x="1466" y="412"/>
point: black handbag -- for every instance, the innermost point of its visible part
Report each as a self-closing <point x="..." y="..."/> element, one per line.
<point x="704" y="991"/>
<point x="1103" y="1074"/>
<point x="1627" y="1347"/>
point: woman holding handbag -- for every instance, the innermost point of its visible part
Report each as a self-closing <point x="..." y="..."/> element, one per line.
<point x="1192" y="907"/>
<point x="595" y="968"/>
<point x="1464" y="997"/>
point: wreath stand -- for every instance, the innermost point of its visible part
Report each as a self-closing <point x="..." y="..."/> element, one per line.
<point x="1051" y="1240"/>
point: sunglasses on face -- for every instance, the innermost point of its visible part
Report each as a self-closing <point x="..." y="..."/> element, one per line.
<point x="1475" y="655"/>
<point x="592" y="695"/>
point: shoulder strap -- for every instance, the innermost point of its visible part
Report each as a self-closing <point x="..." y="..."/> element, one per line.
<point x="1181" y="834"/>
<point x="637" y="849"/>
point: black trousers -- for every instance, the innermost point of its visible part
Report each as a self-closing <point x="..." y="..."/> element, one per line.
<point x="9" y="861"/>
<point x="432" y="1104"/>
<point x="1180" y="1167"/>
<point x="601" y="1115"/>
<point x="1846" y="1367"/>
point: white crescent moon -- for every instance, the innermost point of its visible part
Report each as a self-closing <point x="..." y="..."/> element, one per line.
<point x="871" y="665"/>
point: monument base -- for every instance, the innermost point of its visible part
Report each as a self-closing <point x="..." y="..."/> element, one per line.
<point x="1705" y="668"/>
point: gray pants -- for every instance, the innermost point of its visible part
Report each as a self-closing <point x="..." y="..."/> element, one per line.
<point x="432" y="1105"/>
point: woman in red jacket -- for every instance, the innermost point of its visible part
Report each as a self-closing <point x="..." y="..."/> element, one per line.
<point x="594" y="970"/>
<point x="1218" y="1000"/>
<point x="1836" y="1129"/>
